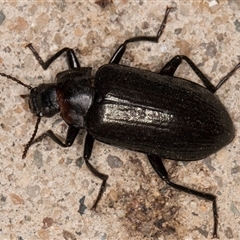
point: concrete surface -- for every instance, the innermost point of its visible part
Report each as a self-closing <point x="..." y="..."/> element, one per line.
<point x="40" y="195"/>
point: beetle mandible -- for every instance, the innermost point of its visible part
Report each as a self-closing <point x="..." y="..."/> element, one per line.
<point x="180" y="120"/>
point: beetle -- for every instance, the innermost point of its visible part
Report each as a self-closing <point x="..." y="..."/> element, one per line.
<point x="158" y="114"/>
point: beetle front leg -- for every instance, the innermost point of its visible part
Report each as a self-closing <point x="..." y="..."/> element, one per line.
<point x="87" y="154"/>
<point x="158" y="166"/>
<point x="72" y="60"/>
<point x="122" y="48"/>
<point x="71" y="135"/>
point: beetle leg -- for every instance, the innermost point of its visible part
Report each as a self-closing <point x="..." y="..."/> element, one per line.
<point x="87" y="154"/>
<point x="225" y="78"/>
<point x="172" y="65"/>
<point x="158" y="166"/>
<point x="122" y="48"/>
<point x="72" y="60"/>
<point x="71" y="135"/>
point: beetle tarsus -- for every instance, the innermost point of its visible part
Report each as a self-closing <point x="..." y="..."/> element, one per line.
<point x="225" y="78"/>
<point x="160" y="169"/>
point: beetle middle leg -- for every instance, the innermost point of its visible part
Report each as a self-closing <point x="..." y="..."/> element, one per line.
<point x="173" y="64"/>
<point x="158" y="166"/>
<point x="122" y="48"/>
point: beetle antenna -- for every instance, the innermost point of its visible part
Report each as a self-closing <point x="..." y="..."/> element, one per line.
<point x="16" y="80"/>
<point x="27" y="146"/>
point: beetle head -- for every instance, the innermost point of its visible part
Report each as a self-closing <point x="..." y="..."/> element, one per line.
<point x="43" y="100"/>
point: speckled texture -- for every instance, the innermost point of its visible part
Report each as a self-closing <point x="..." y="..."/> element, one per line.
<point x="49" y="194"/>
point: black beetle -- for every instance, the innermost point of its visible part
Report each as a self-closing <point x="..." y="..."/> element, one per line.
<point x="155" y="113"/>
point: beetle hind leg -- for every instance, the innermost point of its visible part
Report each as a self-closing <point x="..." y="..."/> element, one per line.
<point x="87" y="154"/>
<point x="158" y="166"/>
